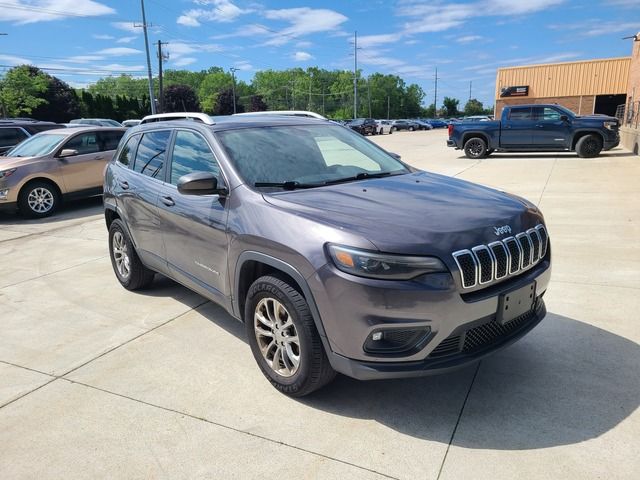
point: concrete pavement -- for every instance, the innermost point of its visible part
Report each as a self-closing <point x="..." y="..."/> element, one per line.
<point x="99" y="382"/>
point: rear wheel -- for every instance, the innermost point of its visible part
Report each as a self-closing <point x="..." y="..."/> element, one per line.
<point x="38" y="199"/>
<point x="589" y="146"/>
<point x="283" y="338"/>
<point x="129" y="270"/>
<point x="475" y="148"/>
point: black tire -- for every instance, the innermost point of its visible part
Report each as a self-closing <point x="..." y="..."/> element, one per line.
<point x="138" y="276"/>
<point x="589" y="146"/>
<point x="475" y="148"/>
<point x="314" y="370"/>
<point x="38" y="199"/>
<point x="390" y="130"/>
<point x="411" y="129"/>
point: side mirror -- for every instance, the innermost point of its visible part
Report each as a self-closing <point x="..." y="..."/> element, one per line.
<point x="200" y="183"/>
<point x="564" y="118"/>
<point x="395" y="155"/>
<point x="68" y="152"/>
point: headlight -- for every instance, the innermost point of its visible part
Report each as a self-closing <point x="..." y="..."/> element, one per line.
<point x="610" y="125"/>
<point x="368" y="264"/>
<point x="7" y="173"/>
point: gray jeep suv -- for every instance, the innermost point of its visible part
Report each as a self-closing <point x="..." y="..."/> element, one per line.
<point x="337" y="256"/>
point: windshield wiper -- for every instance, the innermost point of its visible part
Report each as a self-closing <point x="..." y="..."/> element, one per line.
<point x="360" y="176"/>
<point x="291" y="185"/>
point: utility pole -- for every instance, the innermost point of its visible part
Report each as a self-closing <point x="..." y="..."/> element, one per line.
<point x="470" y="83"/>
<point x="369" y="96"/>
<point x="323" y="100"/>
<point x="161" y="57"/>
<point x="146" y="45"/>
<point x="309" y="102"/>
<point x="435" y="95"/>
<point x="355" y="74"/>
<point x="233" y="86"/>
<point x="388" y="106"/>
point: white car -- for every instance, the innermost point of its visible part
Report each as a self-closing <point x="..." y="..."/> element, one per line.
<point x="384" y="126"/>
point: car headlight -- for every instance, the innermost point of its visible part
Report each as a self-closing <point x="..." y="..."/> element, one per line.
<point x="364" y="263"/>
<point x="7" y="173"/>
<point x="610" y="125"/>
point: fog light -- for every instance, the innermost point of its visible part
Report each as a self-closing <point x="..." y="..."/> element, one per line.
<point x="395" y="341"/>
<point x="376" y="336"/>
<point x="4" y="194"/>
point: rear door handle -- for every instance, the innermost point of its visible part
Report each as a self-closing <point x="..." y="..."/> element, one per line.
<point x="168" y="201"/>
<point x="124" y="185"/>
<point x="540" y="126"/>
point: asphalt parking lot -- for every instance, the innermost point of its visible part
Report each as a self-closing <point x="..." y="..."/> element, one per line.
<point x="99" y="382"/>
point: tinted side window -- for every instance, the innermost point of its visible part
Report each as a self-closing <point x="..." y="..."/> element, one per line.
<point x="520" y="114"/>
<point x="83" y="143"/>
<point x="151" y="153"/>
<point x="11" y="136"/>
<point x="549" y="114"/>
<point x="191" y="153"/>
<point x="109" y="140"/>
<point x="127" y="152"/>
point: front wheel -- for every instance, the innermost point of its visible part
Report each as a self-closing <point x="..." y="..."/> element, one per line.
<point x="475" y="148"/>
<point x="38" y="200"/>
<point x="283" y="338"/>
<point x="589" y="146"/>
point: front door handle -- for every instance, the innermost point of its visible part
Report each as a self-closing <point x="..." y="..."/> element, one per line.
<point x="540" y="126"/>
<point x="168" y="201"/>
<point x="124" y="185"/>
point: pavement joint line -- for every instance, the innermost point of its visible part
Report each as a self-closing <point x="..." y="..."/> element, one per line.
<point x="44" y="232"/>
<point x="227" y="427"/>
<point x="132" y="339"/>
<point x="478" y="162"/>
<point x="27" y="393"/>
<point x="596" y="284"/>
<point x="54" y="272"/>
<point x="28" y="368"/>
<point x="455" y="428"/>
<point x="555" y="161"/>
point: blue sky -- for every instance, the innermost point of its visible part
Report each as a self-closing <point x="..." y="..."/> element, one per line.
<point x="82" y="40"/>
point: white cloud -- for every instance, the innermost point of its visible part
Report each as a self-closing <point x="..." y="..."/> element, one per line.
<point x="121" y="68"/>
<point x="118" y="51"/>
<point x="13" y="60"/>
<point x="469" y="38"/>
<point x="243" y="65"/>
<point x="84" y="58"/>
<point x="304" y="44"/>
<point x="222" y="11"/>
<point x="126" y="26"/>
<point x="184" y="61"/>
<point x="430" y="16"/>
<point x="103" y="37"/>
<point x="594" y="28"/>
<point x="126" y="39"/>
<point x="22" y="12"/>
<point x="384" y="39"/>
<point x="302" y="56"/>
<point x="303" y="21"/>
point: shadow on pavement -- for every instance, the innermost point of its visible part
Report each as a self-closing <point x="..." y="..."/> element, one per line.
<point x="69" y="210"/>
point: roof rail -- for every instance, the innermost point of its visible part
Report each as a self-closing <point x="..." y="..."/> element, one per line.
<point x="286" y="113"/>
<point x="167" y="117"/>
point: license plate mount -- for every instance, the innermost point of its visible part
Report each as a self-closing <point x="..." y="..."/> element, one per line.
<point x="515" y="303"/>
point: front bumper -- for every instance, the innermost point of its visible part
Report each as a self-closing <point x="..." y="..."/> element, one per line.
<point x="352" y="309"/>
<point x="611" y="144"/>
<point x="8" y="207"/>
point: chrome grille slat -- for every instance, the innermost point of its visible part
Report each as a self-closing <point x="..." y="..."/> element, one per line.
<point x="484" y="264"/>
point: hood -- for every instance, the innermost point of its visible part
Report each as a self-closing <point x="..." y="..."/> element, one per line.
<point x="12" y="162"/>
<point x="599" y="118"/>
<point x="419" y="213"/>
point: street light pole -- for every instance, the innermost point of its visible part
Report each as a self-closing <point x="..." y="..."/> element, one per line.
<point x="233" y="86"/>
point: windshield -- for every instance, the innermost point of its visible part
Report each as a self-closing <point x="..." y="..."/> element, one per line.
<point x="111" y="123"/>
<point x="37" y="146"/>
<point x="309" y="154"/>
<point x="566" y="110"/>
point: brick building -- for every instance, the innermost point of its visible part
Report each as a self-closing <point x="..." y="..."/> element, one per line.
<point x="586" y="87"/>
<point x="630" y="131"/>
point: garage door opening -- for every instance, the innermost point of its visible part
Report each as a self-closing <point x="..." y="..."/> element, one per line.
<point x="607" y="104"/>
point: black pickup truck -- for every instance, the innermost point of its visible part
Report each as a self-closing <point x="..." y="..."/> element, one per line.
<point x="536" y="128"/>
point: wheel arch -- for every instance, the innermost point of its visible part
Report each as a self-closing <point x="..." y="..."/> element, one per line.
<point x="468" y="135"/>
<point x="252" y="265"/>
<point x="43" y="179"/>
<point x="583" y="133"/>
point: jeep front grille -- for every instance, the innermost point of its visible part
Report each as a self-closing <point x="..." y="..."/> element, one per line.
<point x="483" y="264"/>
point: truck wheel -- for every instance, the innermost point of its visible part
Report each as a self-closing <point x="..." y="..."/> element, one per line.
<point x="475" y="148"/>
<point x="589" y="146"/>
<point x="283" y="338"/>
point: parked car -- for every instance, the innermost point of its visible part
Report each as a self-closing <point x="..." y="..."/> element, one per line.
<point x="477" y="118"/>
<point x="97" y="122"/>
<point x="15" y="130"/>
<point x="399" y="272"/>
<point x="423" y="125"/>
<point x="405" y="125"/>
<point x="130" y="123"/>
<point x="364" y="126"/>
<point x="537" y="128"/>
<point x="169" y="117"/>
<point x="435" y="122"/>
<point x="287" y="113"/>
<point x="384" y="126"/>
<point x="40" y="172"/>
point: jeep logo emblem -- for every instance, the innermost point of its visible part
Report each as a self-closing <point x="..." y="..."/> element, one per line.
<point x="502" y="230"/>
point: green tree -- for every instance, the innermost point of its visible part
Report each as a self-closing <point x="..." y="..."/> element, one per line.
<point x="180" y="98"/>
<point x="473" y="107"/>
<point x="257" y="104"/>
<point x="450" y="106"/>
<point x="62" y="103"/>
<point x="21" y="92"/>
<point x="429" y="112"/>
<point x="224" y="103"/>
<point x="211" y="86"/>
<point x="122" y="85"/>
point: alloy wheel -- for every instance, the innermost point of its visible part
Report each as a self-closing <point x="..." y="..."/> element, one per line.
<point x="475" y="148"/>
<point x="277" y="337"/>
<point x="40" y="200"/>
<point x="121" y="255"/>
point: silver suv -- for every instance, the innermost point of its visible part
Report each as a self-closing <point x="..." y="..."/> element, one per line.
<point x="337" y="256"/>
